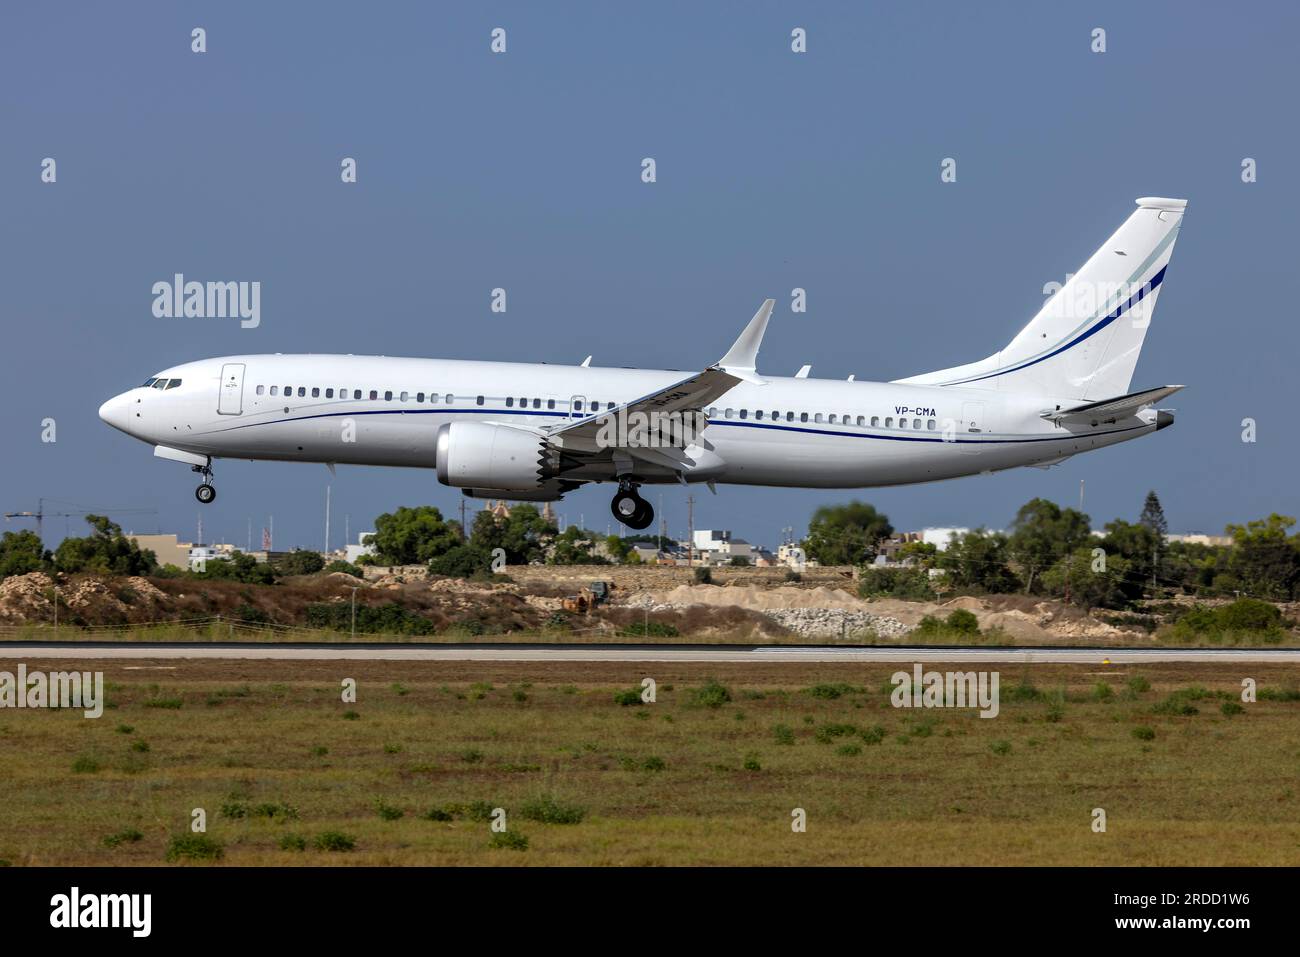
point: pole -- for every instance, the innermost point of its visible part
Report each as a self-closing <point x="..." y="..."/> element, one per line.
<point x="327" y="519"/>
<point x="354" y="613"/>
<point x="690" y="531"/>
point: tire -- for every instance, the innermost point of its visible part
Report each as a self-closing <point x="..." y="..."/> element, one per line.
<point x="205" y="494"/>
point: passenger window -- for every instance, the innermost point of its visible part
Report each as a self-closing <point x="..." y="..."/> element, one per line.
<point x="537" y="403"/>
<point x="404" y="397"/>
<point x="419" y="397"/>
<point x="889" y="421"/>
<point x="374" y="394"/>
<point x="450" y="398"/>
<point x="275" y="390"/>
<point x="388" y="396"/>
<point x="727" y="414"/>
<point x="902" y="423"/>
<point x="523" y="403"/>
<point x="510" y="402"/>
<point x="862" y="420"/>
<point x="288" y="390"/>
<point x="577" y="406"/>
<point x="758" y="414"/>
<point x="329" y="393"/>
<point x="916" y="424"/>
<point x="356" y="393"/>
<point x="315" y="393"/>
<point x="261" y="389"/>
<point x="550" y="403"/>
<point x="480" y="400"/>
<point x="875" y="421"/>
<point x="803" y="416"/>
<point x="789" y="416"/>
<point x="930" y="425"/>
<point x="817" y="417"/>
<point x="831" y="418"/>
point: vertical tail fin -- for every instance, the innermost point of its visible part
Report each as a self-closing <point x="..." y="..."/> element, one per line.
<point x="1085" y="341"/>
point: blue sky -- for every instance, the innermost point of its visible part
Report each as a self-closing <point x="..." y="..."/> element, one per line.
<point x="522" y="170"/>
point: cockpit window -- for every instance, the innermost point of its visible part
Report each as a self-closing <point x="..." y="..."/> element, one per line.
<point x="173" y="383"/>
<point x="148" y="382"/>
<point x="160" y="383"/>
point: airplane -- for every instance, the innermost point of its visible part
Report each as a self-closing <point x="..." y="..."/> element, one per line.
<point x="536" y="431"/>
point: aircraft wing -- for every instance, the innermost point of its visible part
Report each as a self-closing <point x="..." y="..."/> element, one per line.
<point x="1110" y="410"/>
<point x="689" y="395"/>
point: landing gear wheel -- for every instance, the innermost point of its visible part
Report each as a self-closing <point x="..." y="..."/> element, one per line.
<point x="205" y="493"/>
<point x="632" y="510"/>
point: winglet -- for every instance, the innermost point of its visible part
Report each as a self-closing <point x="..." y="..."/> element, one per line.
<point x="741" y="358"/>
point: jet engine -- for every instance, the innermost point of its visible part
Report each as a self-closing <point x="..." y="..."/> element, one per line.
<point x="476" y="455"/>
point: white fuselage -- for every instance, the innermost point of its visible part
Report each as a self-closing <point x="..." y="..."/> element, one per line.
<point x="799" y="432"/>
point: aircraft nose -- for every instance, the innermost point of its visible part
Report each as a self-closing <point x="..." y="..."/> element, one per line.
<point x="114" y="412"/>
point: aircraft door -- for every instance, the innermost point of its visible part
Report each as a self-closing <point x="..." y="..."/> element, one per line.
<point x="231" y="398"/>
<point x="577" y="407"/>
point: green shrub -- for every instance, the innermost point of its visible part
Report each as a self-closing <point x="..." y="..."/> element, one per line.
<point x="1230" y="708"/>
<point x="128" y="836"/>
<point x="170" y="704"/>
<point x="751" y="763"/>
<point x="873" y="735"/>
<point x="194" y="847"/>
<point x="547" y="810"/>
<point x="832" y="690"/>
<point x="784" y="734"/>
<point x="848" y="750"/>
<point x="1144" y="733"/>
<point x="712" y="694"/>
<point x="334" y="841"/>
<point x="628" y="698"/>
<point x="649" y="629"/>
<point x="911" y="584"/>
<point x="963" y="622"/>
<point x="388" y="812"/>
<point x="654" y="763"/>
<point x="1000" y="747"/>
<point x="293" y="842"/>
<point x="1138" y="684"/>
<point x="510" y="840"/>
<point x="85" y="764"/>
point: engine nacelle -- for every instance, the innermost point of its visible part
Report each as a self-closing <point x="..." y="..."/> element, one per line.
<point x="551" y="491"/>
<point x="477" y="455"/>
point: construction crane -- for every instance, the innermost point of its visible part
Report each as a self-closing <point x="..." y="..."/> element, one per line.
<point x="41" y="514"/>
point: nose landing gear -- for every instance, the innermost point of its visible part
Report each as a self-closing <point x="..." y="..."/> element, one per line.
<point x="630" y="508"/>
<point x="206" y="492"/>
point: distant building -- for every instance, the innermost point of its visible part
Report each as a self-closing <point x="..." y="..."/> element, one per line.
<point x="201" y="554"/>
<point x="166" y="548"/>
<point x="792" y="556"/>
<point x="354" y="552"/>
<point x="719" y="547"/>
<point x="1196" y="538"/>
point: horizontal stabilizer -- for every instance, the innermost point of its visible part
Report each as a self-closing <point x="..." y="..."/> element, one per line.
<point x="1111" y="410"/>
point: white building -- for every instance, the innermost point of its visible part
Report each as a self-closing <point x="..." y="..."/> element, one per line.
<point x="719" y="547"/>
<point x="353" y="552"/>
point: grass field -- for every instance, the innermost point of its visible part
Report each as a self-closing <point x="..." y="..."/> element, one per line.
<point x="289" y="774"/>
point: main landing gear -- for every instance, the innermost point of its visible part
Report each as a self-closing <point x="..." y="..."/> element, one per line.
<point x="630" y="508"/>
<point x="206" y="492"/>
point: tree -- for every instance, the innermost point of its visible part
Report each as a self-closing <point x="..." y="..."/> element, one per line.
<point x="978" y="561"/>
<point x="1103" y="588"/>
<point x="846" y="534"/>
<point x="462" y="560"/>
<point x="412" y="536"/>
<point x="1153" y="518"/>
<point x="520" y="535"/>
<point x="1138" y="545"/>
<point x="239" y="567"/>
<point x="1042" y="534"/>
<point x="301" y="563"/>
<point x="573" y="546"/>
<point x="106" y="551"/>
<point x="1265" y="560"/>
<point x="20" y="553"/>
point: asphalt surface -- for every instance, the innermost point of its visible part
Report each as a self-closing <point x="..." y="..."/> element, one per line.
<point x="704" y="654"/>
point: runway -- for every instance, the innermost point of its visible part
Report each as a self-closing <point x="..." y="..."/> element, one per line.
<point x="703" y="654"/>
